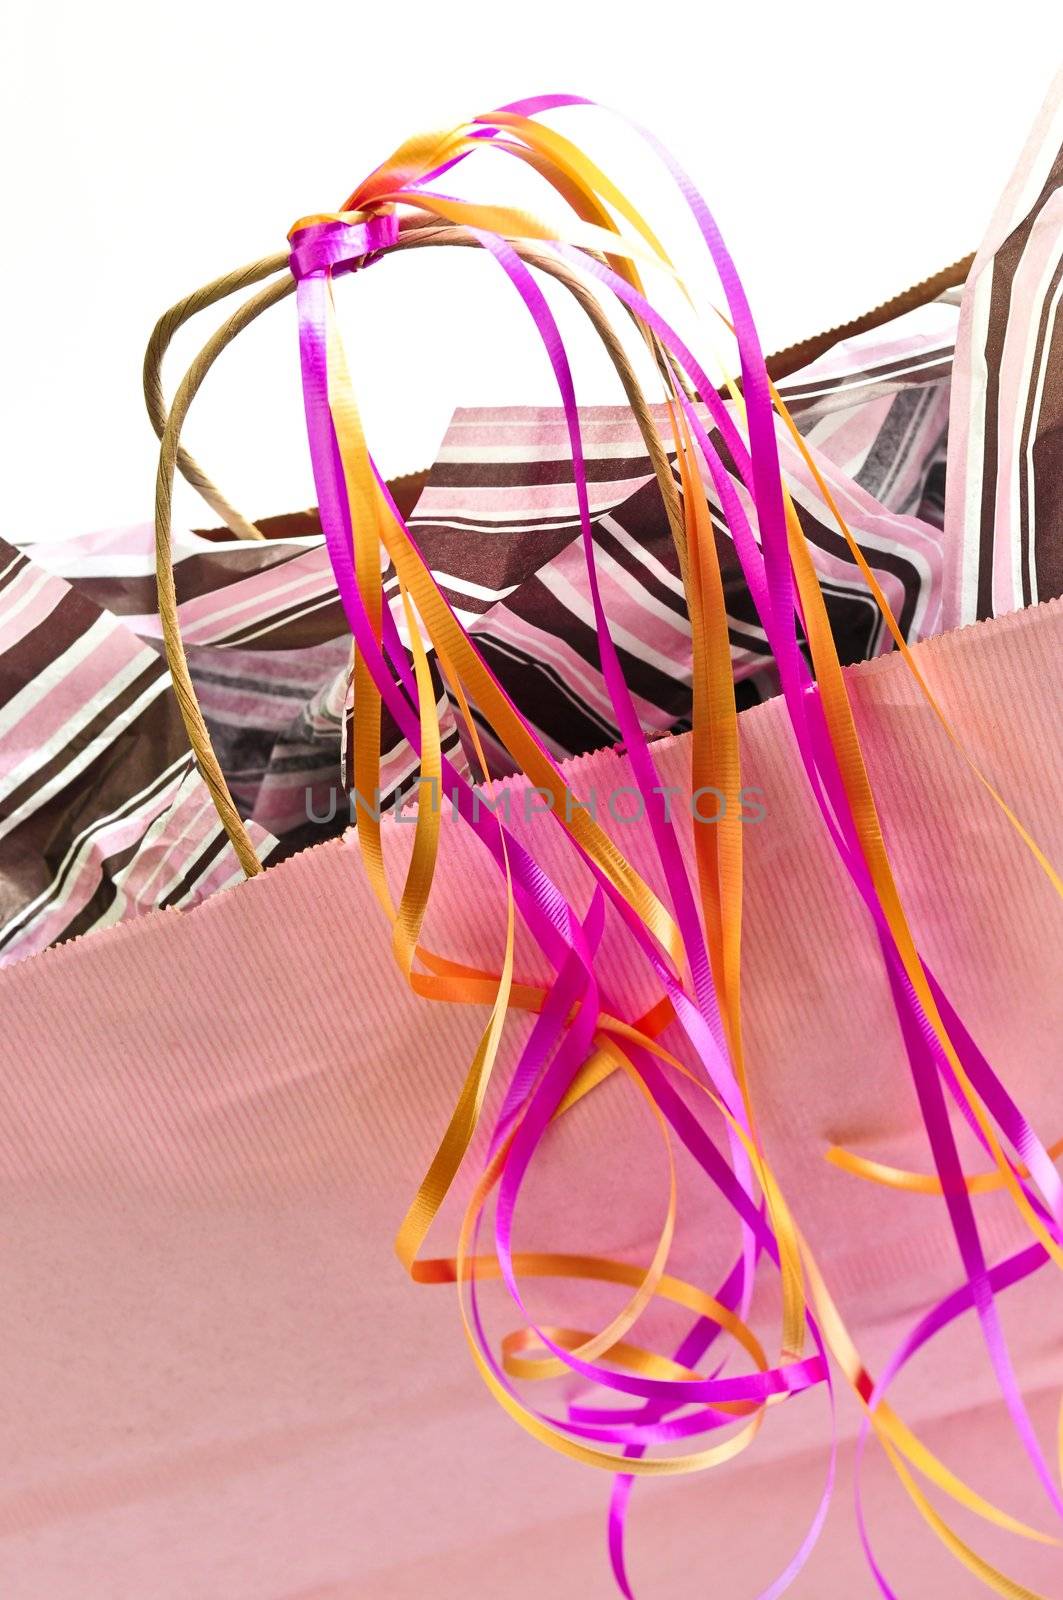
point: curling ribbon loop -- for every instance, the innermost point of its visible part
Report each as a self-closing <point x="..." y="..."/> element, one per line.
<point x="688" y="939"/>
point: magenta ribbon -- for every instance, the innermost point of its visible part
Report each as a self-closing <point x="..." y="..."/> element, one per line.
<point x="558" y="1046"/>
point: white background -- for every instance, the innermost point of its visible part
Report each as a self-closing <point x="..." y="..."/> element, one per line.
<point x="847" y="151"/>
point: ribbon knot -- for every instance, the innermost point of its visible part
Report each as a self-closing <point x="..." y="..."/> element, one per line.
<point x="336" y="244"/>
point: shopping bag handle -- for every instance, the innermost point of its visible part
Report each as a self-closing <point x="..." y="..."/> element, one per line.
<point x="414" y="233"/>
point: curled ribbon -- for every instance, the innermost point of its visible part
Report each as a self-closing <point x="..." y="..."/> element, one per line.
<point x="689" y="938"/>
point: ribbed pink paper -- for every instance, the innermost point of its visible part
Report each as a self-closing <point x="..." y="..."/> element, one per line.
<point x="212" y="1122"/>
